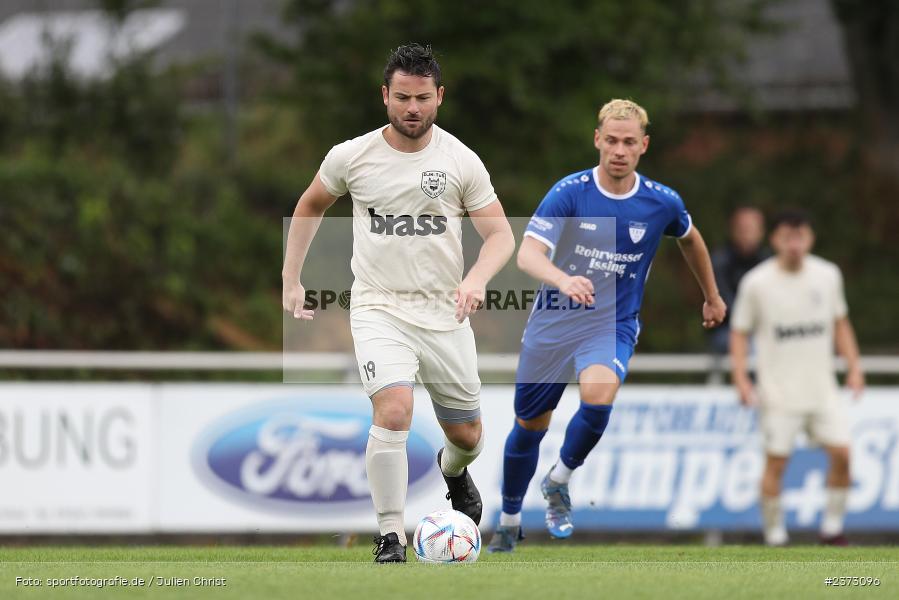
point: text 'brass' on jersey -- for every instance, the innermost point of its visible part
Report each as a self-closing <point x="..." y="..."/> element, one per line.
<point x="406" y="225"/>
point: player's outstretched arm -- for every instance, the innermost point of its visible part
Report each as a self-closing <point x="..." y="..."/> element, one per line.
<point x="847" y="347"/>
<point x="533" y="259"/>
<point x="499" y="243"/>
<point x="307" y="217"/>
<point x="739" y="370"/>
<point x="695" y="252"/>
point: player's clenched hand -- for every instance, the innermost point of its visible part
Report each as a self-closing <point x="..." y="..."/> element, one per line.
<point x="855" y="381"/>
<point x="469" y="297"/>
<point x="713" y="312"/>
<point x="293" y="298"/>
<point x="746" y="391"/>
<point x="579" y="289"/>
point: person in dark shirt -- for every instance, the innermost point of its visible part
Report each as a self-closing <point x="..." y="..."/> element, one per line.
<point x="743" y="250"/>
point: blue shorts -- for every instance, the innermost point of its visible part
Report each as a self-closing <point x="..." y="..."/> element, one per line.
<point x="543" y="373"/>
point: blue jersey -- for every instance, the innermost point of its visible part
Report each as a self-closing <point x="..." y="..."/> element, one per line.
<point x="608" y="238"/>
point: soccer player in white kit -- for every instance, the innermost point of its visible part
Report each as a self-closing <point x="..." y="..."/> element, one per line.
<point x="410" y="183"/>
<point x="794" y="307"/>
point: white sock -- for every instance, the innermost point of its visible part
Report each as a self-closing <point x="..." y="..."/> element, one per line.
<point x="454" y="459"/>
<point x="388" y="477"/>
<point x="507" y="520"/>
<point x="560" y="473"/>
<point x="773" y="521"/>
<point x="834" y="511"/>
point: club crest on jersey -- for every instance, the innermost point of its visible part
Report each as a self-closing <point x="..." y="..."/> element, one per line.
<point x="637" y="231"/>
<point x="433" y="183"/>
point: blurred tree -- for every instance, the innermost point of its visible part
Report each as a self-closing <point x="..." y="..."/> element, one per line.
<point x="524" y="78"/>
<point x="119" y="9"/>
<point x="121" y="229"/>
<point x="133" y="113"/>
<point x="111" y="239"/>
<point x="871" y="32"/>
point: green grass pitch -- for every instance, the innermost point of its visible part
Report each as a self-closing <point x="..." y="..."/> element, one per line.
<point x="551" y="571"/>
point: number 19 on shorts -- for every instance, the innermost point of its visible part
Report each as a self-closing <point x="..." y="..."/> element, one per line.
<point x="368" y="369"/>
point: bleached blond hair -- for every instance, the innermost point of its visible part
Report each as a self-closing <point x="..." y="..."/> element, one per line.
<point x="623" y="109"/>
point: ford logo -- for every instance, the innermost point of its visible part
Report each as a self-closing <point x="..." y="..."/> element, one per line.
<point x="298" y="453"/>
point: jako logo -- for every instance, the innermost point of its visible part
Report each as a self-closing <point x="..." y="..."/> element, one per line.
<point x="284" y="455"/>
<point x="588" y="226"/>
<point x="406" y="225"/>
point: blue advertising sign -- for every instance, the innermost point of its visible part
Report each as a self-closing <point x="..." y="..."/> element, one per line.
<point x="690" y="458"/>
<point x="298" y="454"/>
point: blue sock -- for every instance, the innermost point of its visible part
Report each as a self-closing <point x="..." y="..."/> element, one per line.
<point x="584" y="430"/>
<point x="519" y="465"/>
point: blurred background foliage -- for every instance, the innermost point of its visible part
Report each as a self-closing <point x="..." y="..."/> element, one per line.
<point x="128" y="223"/>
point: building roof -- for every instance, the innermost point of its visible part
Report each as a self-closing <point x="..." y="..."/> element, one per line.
<point x="803" y="65"/>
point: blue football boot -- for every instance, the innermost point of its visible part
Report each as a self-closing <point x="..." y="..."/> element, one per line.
<point x="505" y="538"/>
<point x="558" y="508"/>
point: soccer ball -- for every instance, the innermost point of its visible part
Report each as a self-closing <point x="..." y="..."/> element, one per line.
<point x="446" y="536"/>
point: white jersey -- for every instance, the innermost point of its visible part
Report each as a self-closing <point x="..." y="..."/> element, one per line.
<point x="407" y="222"/>
<point x="791" y="316"/>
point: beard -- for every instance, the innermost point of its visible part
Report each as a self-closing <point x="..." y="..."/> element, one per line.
<point x="412" y="134"/>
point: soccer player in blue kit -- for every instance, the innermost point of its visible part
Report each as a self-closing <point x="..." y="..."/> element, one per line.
<point x="590" y="242"/>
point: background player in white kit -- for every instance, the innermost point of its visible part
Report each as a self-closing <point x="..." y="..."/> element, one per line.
<point x="793" y="304"/>
<point x="410" y="182"/>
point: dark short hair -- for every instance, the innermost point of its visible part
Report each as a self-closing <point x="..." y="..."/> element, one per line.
<point x="791" y="217"/>
<point x="745" y="208"/>
<point x="413" y="59"/>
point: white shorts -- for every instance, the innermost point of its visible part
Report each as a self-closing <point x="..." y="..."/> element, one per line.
<point x="391" y="351"/>
<point x="826" y="425"/>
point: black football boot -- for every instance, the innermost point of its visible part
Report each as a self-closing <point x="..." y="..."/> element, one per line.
<point x="463" y="494"/>
<point x="388" y="549"/>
